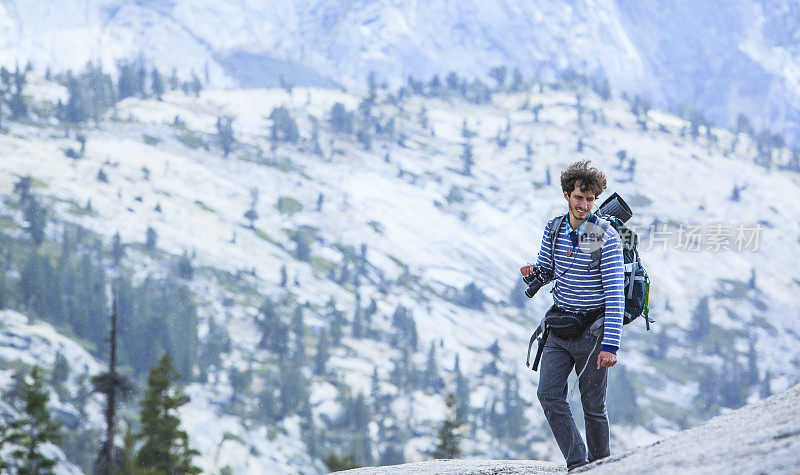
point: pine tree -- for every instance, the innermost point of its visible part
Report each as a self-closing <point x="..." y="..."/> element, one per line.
<point x="448" y="444"/>
<point x="99" y="91"/>
<point x="299" y="330"/>
<point x="225" y="134"/>
<point x="405" y="329"/>
<point x="302" y="239"/>
<point x="251" y="214"/>
<point x="284" y="276"/>
<point x="141" y="81"/>
<point x="173" y="80"/>
<point x="126" y="83"/>
<point x="165" y="448"/>
<point x="157" y="84"/>
<point x="468" y="159"/>
<point x="431" y="377"/>
<point x="372" y="87"/>
<point x="363" y="134"/>
<point x="196" y="85"/>
<point x="36" y="216"/>
<point x="499" y="74"/>
<point x="111" y="384"/>
<point x="472" y="297"/>
<point x="462" y="389"/>
<point x="60" y="373"/>
<point x="18" y="106"/>
<point x="358" y="318"/>
<point x="35" y="429"/>
<point x="765" y="390"/>
<point x="323" y="353"/>
<point x="185" y="268"/>
<point x="341" y="120"/>
<point x="284" y="126"/>
<point x="517" y="82"/>
<point x="116" y="249"/>
<point x="701" y="327"/>
<point x="151" y="238"/>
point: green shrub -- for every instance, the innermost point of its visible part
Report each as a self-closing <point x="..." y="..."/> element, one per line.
<point x="288" y="205"/>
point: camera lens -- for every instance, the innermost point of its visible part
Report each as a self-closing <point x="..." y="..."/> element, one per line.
<point x="533" y="287"/>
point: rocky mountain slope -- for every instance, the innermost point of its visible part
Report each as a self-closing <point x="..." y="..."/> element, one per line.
<point x="397" y="217"/>
<point x="768" y="444"/>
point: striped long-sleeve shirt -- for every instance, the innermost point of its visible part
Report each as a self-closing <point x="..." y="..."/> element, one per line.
<point x="579" y="289"/>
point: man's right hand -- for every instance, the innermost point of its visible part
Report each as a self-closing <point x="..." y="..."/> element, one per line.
<point x="526" y="270"/>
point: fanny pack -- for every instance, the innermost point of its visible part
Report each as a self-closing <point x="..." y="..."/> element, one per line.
<point x="563" y="324"/>
<point x="569" y="325"/>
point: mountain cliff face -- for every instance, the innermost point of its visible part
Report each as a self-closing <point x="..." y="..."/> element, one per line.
<point x="723" y="58"/>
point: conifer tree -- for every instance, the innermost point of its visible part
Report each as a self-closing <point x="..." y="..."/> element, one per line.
<point x="323" y="353"/>
<point x="499" y="74"/>
<point x="150" y="239"/>
<point x="462" y="390"/>
<point x="36" y="216"/>
<point x="372" y="87"/>
<point x="165" y="447"/>
<point x="284" y="126"/>
<point x="173" y="80"/>
<point x="112" y="384"/>
<point x="196" y="85"/>
<point x="299" y="330"/>
<point x="19" y="108"/>
<point x="517" y="82"/>
<point x="116" y="249"/>
<point x="35" y="429"/>
<point x="251" y="214"/>
<point x="98" y="91"/>
<point x="225" y="134"/>
<point x="5" y="79"/>
<point x="341" y="120"/>
<point x="141" y="81"/>
<point x="126" y="82"/>
<point x="448" y="444"/>
<point x="431" y="377"/>
<point x="185" y="268"/>
<point x="468" y="159"/>
<point x="701" y="327"/>
<point x="157" y="84"/>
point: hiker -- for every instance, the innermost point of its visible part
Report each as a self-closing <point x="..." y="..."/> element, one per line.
<point x="583" y="294"/>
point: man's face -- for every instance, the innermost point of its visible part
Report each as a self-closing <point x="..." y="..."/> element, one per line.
<point x="580" y="202"/>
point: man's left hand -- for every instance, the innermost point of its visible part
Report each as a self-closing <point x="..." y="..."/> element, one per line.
<point x="606" y="359"/>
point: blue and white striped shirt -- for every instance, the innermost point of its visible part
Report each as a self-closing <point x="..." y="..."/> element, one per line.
<point x="579" y="289"/>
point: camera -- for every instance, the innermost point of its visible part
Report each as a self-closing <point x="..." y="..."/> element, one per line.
<point x="535" y="281"/>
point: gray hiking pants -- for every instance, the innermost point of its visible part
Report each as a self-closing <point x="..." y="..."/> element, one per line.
<point x="558" y="359"/>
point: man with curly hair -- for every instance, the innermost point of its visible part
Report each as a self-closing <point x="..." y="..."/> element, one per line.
<point x="585" y="292"/>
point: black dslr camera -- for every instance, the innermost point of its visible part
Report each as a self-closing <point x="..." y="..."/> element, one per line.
<point x="535" y="281"/>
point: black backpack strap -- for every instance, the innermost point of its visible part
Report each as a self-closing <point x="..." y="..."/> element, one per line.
<point x="539" y="352"/>
<point x="555" y="228"/>
<point x="536" y="333"/>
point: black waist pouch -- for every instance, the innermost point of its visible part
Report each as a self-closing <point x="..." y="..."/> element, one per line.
<point x="569" y="325"/>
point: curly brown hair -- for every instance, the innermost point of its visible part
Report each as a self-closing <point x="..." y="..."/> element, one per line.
<point x="588" y="179"/>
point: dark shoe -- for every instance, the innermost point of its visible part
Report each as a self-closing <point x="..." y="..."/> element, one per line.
<point x="575" y="467"/>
